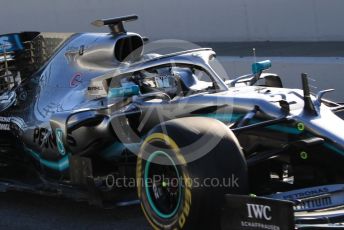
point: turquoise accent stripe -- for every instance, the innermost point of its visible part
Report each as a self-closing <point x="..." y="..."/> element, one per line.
<point x="334" y="148"/>
<point x="113" y="151"/>
<point x="222" y="116"/>
<point x="124" y="91"/>
<point x="281" y="128"/>
<point x="285" y="129"/>
<point x="235" y="117"/>
<point x="60" y="165"/>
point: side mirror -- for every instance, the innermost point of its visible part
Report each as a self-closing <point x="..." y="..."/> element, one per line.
<point x="259" y="67"/>
<point x="126" y="91"/>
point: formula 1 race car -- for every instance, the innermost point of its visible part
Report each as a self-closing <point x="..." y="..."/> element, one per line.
<point x="93" y="117"/>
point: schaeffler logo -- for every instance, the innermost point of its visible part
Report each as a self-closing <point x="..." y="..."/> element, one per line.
<point x="256" y="211"/>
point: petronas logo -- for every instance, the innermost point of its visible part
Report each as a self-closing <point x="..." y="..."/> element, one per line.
<point x="59" y="142"/>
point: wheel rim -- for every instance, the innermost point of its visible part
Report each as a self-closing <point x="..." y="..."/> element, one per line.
<point x="162" y="186"/>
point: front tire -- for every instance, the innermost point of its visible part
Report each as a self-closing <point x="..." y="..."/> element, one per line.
<point x="176" y="192"/>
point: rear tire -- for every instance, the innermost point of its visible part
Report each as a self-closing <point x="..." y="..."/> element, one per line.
<point x="195" y="199"/>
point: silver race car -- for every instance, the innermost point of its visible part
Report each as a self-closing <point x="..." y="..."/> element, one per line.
<point x="94" y="117"/>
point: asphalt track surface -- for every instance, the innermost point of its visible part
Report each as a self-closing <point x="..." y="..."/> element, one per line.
<point x="27" y="211"/>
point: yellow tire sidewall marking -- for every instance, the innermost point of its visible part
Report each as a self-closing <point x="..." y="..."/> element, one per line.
<point x="187" y="191"/>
